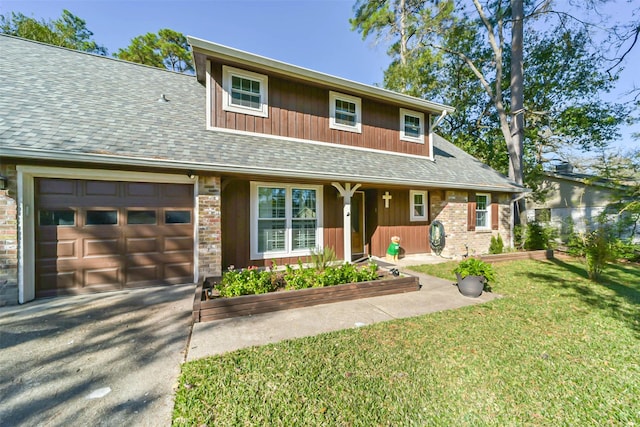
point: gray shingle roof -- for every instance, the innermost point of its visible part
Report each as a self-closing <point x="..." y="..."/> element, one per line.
<point x="60" y="104"/>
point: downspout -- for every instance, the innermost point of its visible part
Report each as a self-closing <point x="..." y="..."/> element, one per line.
<point x="512" y="217"/>
<point x="433" y="126"/>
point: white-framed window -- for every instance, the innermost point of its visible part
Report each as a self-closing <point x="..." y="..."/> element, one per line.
<point x="411" y="126"/>
<point x="483" y="213"/>
<point x="245" y="92"/>
<point x="345" y="112"/>
<point x="419" y="207"/>
<point x="286" y="219"/>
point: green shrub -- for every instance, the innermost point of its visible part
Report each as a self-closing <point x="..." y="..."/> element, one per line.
<point x="323" y="258"/>
<point x="597" y="252"/>
<point x="253" y="281"/>
<point x="539" y="237"/>
<point x="497" y="245"/>
<point x="476" y="267"/>
<point x="625" y="250"/>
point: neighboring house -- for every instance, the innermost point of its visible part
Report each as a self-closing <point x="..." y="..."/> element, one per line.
<point x="578" y="200"/>
<point x="121" y="175"/>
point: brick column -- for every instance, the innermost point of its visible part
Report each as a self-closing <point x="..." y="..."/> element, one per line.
<point x="9" y="238"/>
<point x="209" y="227"/>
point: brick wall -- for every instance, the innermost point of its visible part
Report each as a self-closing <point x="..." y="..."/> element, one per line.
<point x="450" y="208"/>
<point x="209" y="227"/>
<point x="8" y="238"/>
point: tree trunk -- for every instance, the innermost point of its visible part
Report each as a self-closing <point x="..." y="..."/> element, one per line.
<point x="515" y="144"/>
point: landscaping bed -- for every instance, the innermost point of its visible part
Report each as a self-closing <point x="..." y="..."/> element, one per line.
<point x="221" y="308"/>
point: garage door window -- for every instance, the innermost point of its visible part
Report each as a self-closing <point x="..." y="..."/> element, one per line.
<point x="177" y="217"/>
<point x="102" y="217"/>
<point x="141" y="217"/>
<point x="61" y="217"/>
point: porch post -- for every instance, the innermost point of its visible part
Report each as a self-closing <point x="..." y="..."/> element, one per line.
<point x="346" y="193"/>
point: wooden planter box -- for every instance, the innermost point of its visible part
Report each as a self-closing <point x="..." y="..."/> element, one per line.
<point x="511" y="256"/>
<point x="222" y="308"/>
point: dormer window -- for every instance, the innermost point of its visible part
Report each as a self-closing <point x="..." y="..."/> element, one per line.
<point x="245" y="92"/>
<point x="411" y="126"/>
<point x="345" y="112"/>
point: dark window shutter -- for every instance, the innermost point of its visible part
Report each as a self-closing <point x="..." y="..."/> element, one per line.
<point x="471" y="212"/>
<point x="494" y="212"/>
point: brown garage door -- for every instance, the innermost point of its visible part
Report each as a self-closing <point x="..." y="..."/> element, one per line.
<point x="102" y="235"/>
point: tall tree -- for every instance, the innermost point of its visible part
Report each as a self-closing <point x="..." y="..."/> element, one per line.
<point x="167" y="49"/>
<point x="460" y="52"/>
<point x="67" y="31"/>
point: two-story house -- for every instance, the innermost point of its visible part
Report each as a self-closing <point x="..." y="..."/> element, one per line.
<point x="120" y="175"/>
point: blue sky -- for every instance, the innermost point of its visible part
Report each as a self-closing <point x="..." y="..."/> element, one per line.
<point x="314" y="34"/>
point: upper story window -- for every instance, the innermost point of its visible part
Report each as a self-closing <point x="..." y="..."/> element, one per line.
<point x="483" y="201"/>
<point x="345" y="112"/>
<point x="245" y="92"/>
<point x="411" y="126"/>
<point x="418" y="205"/>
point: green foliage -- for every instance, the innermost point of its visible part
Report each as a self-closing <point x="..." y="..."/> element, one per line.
<point x="475" y="267"/>
<point x="167" y="49"/>
<point x="322" y="258"/>
<point x="597" y="252"/>
<point x="67" y="31"/>
<point x="518" y="236"/>
<point x="625" y="250"/>
<point x="497" y="245"/>
<point x="253" y="281"/>
<point x="539" y="236"/>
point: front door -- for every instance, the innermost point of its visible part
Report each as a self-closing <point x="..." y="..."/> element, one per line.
<point x="357" y="224"/>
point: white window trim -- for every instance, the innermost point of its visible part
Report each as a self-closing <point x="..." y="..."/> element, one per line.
<point x="425" y="199"/>
<point x="488" y="216"/>
<point x="333" y="96"/>
<point x="404" y="137"/>
<point x="288" y="252"/>
<point x="227" y="74"/>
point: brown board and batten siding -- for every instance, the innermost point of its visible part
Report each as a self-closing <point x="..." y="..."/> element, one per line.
<point x="382" y="223"/>
<point x="301" y="110"/>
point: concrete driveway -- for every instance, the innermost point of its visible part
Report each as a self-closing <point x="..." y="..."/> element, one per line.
<point x="96" y="360"/>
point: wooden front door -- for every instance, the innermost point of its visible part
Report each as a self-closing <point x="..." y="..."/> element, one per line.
<point x="357" y="224"/>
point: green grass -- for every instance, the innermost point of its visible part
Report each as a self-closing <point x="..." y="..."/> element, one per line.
<point x="557" y="349"/>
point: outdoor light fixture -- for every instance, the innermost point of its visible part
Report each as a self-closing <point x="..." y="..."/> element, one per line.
<point x="190" y="174"/>
<point x="3" y="182"/>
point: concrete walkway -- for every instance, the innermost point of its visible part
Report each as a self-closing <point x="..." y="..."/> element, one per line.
<point x="113" y="359"/>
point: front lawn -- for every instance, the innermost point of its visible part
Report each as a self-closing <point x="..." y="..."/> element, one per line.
<point x="558" y="349"/>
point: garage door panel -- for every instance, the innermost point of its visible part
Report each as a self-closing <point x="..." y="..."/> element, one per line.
<point x="101" y="188"/>
<point x="178" y="243"/>
<point x="100" y="247"/>
<point x="178" y="271"/>
<point x="53" y="282"/>
<point x="62" y="249"/>
<point x="104" y="277"/>
<point x="100" y="235"/>
<point x="137" y="245"/>
<point x="142" y="274"/>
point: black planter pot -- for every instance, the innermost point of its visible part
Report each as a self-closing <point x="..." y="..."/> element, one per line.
<point x="471" y="286"/>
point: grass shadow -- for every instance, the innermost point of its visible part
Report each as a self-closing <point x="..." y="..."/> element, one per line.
<point x="622" y="300"/>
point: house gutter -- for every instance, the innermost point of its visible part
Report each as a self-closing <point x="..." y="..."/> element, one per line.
<point x="26" y="153"/>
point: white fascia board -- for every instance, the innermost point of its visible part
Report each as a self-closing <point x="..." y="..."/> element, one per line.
<point x="103" y="159"/>
<point x="238" y="56"/>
